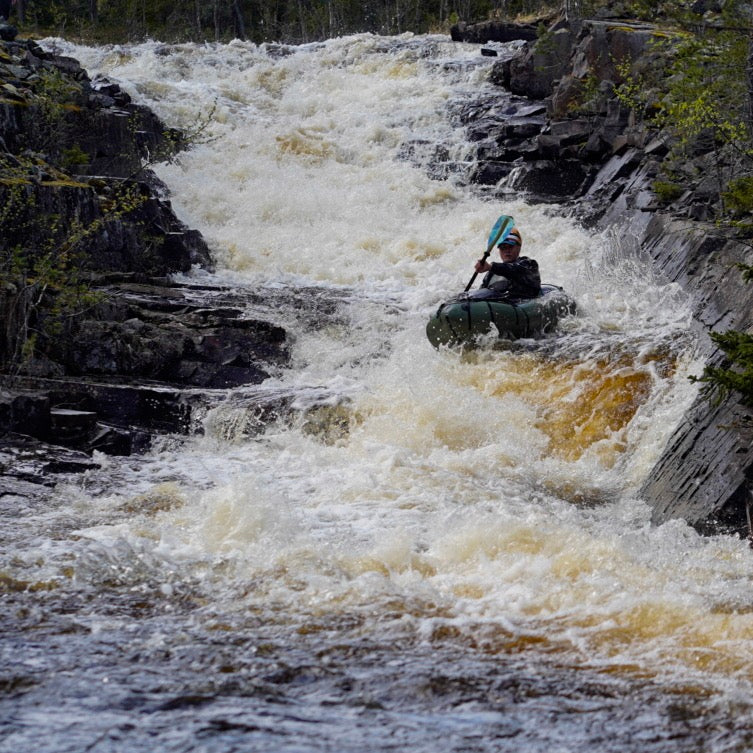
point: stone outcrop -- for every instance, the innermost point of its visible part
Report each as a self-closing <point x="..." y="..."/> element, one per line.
<point x="557" y="133"/>
<point x="492" y="31"/>
<point x="141" y="364"/>
<point x="146" y="355"/>
<point x="560" y="127"/>
<point x="706" y="472"/>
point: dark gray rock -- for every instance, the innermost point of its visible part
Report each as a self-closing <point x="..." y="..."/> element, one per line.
<point x="24" y="411"/>
<point x="604" y="166"/>
<point x="26" y="464"/>
<point x="554" y="180"/>
<point x="533" y="72"/>
<point x="491" y="31"/>
<point x="705" y="473"/>
<point x="157" y="332"/>
<point x="8" y="32"/>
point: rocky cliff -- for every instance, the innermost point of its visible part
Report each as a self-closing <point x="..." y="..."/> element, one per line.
<point x="563" y="139"/>
<point x="84" y="218"/>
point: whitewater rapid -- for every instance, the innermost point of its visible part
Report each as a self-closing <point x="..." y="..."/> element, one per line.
<point x="482" y="505"/>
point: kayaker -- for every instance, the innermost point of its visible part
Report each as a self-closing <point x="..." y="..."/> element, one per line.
<point x="516" y="276"/>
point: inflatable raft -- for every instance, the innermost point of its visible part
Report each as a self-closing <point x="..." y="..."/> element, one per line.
<point x="469" y="316"/>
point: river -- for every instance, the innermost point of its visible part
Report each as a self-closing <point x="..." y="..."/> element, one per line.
<point x="446" y="553"/>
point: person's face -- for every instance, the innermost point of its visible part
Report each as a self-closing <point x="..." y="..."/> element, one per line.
<point x="508" y="252"/>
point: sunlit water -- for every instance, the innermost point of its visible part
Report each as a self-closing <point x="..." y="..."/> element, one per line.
<point x="447" y="553"/>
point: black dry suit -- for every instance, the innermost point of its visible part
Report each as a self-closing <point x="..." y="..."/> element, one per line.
<point x="514" y="279"/>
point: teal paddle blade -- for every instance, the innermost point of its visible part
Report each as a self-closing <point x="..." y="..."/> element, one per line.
<point x="500" y="231"/>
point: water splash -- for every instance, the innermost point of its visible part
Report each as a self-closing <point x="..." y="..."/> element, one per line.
<point x="454" y="511"/>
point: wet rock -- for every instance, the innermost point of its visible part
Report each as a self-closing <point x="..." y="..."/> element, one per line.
<point x="705" y="474"/>
<point x="71" y="426"/>
<point x="110" y="89"/>
<point x="22" y="411"/>
<point x="558" y="151"/>
<point x="159" y="332"/>
<point x="146" y="408"/>
<point x="554" y="180"/>
<point x="532" y="73"/>
<point x="8" y="32"/>
<point x="26" y="464"/>
<point x="492" y="31"/>
<point x="192" y="342"/>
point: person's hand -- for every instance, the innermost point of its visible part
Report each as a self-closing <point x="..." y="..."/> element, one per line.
<point x="483" y="266"/>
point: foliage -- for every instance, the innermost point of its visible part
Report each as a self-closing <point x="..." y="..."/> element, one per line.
<point x="696" y="94"/>
<point x="747" y="271"/>
<point x="173" y="141"/>
<point x="73" y="156"/>
<point x="738" y="197"/>
<point x="666" y="191"/>
<point x="292" y="21"/>
<point x="737" y="373"/>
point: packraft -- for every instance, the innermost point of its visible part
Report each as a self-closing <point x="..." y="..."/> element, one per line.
<point x="477" y="314"/>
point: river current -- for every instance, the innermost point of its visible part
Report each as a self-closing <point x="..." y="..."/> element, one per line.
<point x="447" y="552"/>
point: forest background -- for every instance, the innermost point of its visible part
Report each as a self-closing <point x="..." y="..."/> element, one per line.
<point x="290" y="21"/>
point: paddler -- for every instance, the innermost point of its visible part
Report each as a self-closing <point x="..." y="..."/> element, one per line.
<point x="516" y="276"/>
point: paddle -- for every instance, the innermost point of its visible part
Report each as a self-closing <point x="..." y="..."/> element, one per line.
<point x="500" y="231"/>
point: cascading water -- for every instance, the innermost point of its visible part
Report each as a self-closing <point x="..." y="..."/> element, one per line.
<point x="438" y="551"/>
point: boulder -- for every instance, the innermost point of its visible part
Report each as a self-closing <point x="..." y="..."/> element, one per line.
<point x="24" y="411"/>
<point x="7" y="32"/>
<point x="534" y="71"/>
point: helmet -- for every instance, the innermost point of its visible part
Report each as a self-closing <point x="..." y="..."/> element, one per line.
<point x="513" y="239"/>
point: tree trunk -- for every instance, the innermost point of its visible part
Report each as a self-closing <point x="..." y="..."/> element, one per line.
<point x="302" y="22"/>
<point x="240" y="27"/>
<point x="749" y="72"/>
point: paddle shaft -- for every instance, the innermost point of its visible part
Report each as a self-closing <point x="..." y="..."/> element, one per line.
<point x="475" y="274"/>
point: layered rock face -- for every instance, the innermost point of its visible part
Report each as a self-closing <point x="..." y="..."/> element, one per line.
<point x="597" y="161"/>
<point x="141" y="353"/>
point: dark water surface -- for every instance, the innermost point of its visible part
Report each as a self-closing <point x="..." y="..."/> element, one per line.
<point x="166" y="683"/>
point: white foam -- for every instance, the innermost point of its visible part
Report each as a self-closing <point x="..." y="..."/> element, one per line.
<point x="445" y="490"/>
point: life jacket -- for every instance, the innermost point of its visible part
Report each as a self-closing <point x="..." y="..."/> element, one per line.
<point x="514" y="279"/>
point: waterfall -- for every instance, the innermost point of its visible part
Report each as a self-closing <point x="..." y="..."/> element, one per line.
<point x="434" y="550"/>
